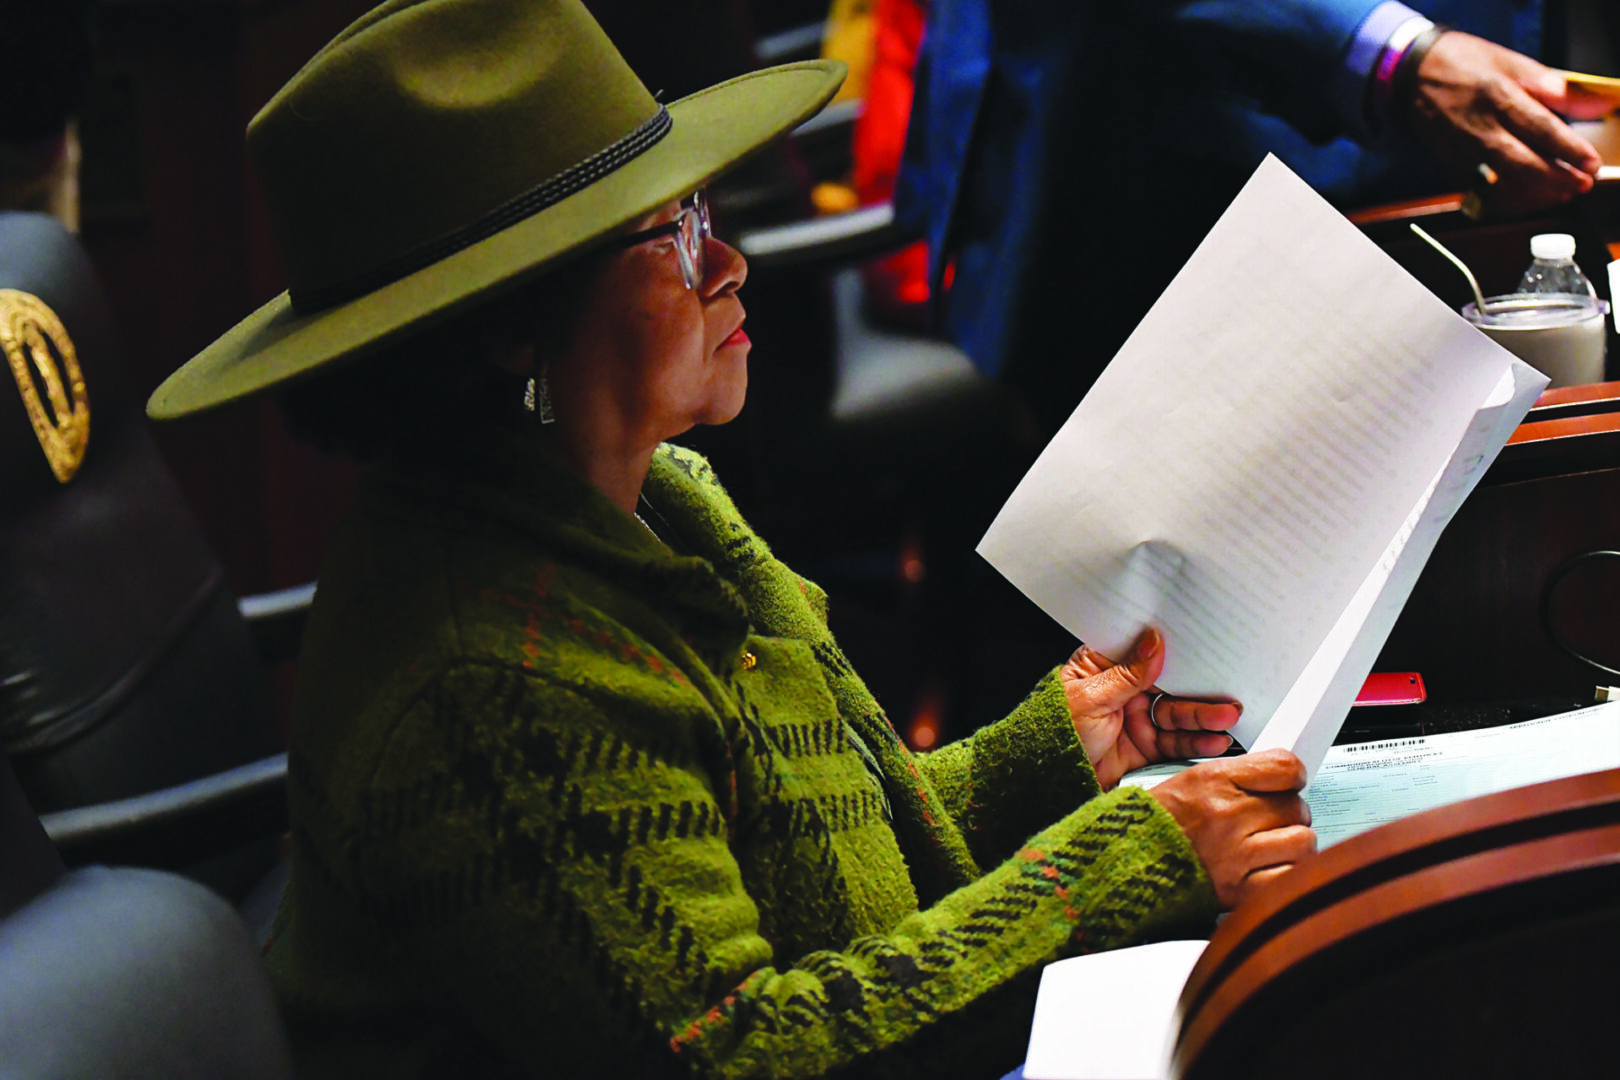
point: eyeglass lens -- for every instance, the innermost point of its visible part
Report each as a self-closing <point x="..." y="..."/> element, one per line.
<point x="694" y="239"/>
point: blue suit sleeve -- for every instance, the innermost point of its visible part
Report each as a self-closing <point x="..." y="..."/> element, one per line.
<point x="1284" y="54"/>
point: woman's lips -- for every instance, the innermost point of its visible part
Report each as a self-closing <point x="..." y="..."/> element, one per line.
<point x="738" y="336"/>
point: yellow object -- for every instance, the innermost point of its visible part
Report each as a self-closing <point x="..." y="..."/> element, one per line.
<point x="851" y="36"/>
<point x="834" y="198"/>
<point x="1602" y="85"/>
<point x="33" y="336"/>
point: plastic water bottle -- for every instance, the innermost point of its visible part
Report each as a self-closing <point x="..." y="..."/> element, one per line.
<point x="1554" y="269"/>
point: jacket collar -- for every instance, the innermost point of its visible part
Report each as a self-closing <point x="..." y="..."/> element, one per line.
<point x="499" y="480"/>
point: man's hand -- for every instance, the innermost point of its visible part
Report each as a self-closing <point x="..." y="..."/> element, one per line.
<point x="1244" y="817"/>
<point x="1478" y="103"/>
<point x="1109" y="704"/>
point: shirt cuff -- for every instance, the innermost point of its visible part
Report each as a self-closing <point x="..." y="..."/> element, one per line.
<point x="1390" y="25"/>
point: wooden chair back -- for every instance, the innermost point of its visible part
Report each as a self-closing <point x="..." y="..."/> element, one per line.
<point x="1479" y="939"/>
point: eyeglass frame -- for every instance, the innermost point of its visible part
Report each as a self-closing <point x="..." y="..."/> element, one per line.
<point x="693" y="259"/>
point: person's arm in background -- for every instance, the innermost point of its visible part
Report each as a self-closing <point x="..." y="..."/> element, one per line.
<point x="1288" y="56"/>
<point x="1332" y="67"/>
<point x="1473" y="103"/>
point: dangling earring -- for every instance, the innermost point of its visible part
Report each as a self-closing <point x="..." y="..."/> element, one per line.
<point x="540" y="393"/>
<point x="528" y="396"/>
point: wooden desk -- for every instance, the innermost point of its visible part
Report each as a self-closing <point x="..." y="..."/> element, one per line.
<point x="1473" y="623"/>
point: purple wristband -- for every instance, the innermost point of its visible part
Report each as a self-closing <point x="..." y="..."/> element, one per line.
<point x="1351" y="90"/>
<point x="1381" y="91"/>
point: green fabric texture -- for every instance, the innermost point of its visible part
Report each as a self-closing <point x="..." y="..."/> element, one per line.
<point x="548" y="822"/>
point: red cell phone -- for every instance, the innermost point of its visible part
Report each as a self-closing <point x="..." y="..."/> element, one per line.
<point x="1392" y="688"/>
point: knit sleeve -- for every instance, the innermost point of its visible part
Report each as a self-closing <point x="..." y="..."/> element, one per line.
<point x="559" y="867"/>
<point x="1011" y="779"/>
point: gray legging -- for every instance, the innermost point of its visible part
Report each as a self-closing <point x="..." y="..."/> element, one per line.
<point x="116" y="973"/>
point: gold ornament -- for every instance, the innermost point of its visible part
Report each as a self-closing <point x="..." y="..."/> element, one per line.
<point x="34" y="337"/>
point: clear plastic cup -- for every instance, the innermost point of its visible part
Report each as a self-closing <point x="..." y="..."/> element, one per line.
<point x="1562" y="335"/>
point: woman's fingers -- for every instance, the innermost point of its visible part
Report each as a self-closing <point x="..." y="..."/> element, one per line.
<point x="1124" y="723"/>
<point x="1267" y="770"/>
<point x="1183" y="728"/>
<point x="1243" y="816"/>
<point x="1273" y="853"/>
<point x="1281" y="846"/>
<point x="1278" y="811"/>
<point x="1102" y="687"/>
<point x="1259" y="879"/>
<point x="1185" y="714"/>
<point x="1173" y="745"/>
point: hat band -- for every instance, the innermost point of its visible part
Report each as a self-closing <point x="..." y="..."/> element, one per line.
<point x="549" y="192"/>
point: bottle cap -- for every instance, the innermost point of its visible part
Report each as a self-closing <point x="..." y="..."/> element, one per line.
<point x="1554" y="245"/>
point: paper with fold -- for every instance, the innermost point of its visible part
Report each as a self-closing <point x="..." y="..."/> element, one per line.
<point x="1110" y="1015"/>
<point x="1265" y="466"/>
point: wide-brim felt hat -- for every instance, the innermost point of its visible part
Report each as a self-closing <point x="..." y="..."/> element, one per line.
<point x="439" y="152"/>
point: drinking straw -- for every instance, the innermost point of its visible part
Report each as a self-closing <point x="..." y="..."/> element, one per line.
<point x="1479" y="297"/>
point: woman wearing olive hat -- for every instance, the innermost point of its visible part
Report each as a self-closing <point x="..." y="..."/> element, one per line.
<point x="581" y="783"/>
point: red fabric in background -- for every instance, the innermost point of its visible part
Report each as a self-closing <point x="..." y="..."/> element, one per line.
<point x="896" y="286"/>
<point x="880" y="133"/>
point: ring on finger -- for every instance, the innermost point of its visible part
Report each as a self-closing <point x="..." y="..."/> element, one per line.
<point x="1153" y="707"/>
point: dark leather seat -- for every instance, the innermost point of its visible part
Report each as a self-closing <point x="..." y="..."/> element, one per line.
<point x="124" y="664"/>
<point x="28" y="863"/>
<point x="107" y="973"/>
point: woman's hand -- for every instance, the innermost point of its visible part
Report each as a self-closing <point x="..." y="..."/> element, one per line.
<point x="1244" y="817"/>
<point x="1109" y="704"/>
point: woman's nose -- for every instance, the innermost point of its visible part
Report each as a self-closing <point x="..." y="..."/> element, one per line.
<point x="724" y="266"/>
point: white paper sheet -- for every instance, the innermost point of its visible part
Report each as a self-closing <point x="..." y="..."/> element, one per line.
<point x="1365" y="785"/>
<point x="1110" y="1016"/>
<point x="1264" y="467"/>
<point x="1313" y="711"/>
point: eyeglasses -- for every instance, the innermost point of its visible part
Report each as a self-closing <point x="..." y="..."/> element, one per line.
<point x="691" y="231"/>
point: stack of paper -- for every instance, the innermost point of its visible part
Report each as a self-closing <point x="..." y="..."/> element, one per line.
<point x="1265" y="466"/>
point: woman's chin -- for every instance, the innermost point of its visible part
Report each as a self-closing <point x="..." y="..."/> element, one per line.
<point x="728" y="414"/>
<point x="728" y="407"/>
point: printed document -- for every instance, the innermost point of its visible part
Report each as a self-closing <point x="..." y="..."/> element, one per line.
<point x="1265" y="466"/>
<point x="1363" y="785"/>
